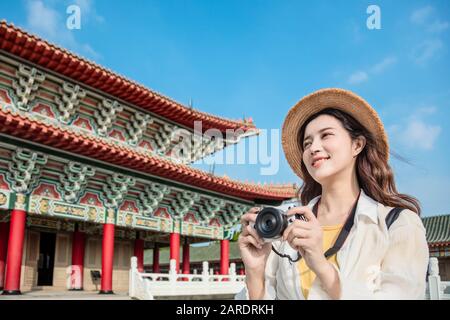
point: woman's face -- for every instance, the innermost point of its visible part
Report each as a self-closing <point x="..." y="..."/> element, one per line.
<point x="328" y="148"/>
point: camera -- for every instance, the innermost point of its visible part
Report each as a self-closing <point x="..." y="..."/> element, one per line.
<point x="271" y="222"/>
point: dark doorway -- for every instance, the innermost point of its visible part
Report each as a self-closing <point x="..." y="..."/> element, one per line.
<point x="46" y="259"/>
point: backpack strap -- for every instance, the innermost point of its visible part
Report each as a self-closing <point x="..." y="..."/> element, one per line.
<point x="392" y="216"/>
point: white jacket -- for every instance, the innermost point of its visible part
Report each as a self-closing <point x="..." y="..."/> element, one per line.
<point x="374" y="262"/>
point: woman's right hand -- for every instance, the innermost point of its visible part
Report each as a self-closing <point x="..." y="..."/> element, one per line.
<point x="254" y="252"/>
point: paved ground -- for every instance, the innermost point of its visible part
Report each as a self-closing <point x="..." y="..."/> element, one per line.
<point x="67" y="295"/>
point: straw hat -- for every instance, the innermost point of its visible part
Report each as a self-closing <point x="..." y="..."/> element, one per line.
<point x="340" y="99"/>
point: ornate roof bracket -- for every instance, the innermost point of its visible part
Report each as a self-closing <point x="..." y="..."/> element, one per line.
<point x="106" y="115"/>
<point x="25" y="169"/>
<point x="183" y="202"/>
<point x="137" y="127"/>
<point x="69" y="104"/>
<point x="163" y="137"/>
<point x="233" y="213"/>
<point x="75" y="180"/>
<point x="116" y="189"/>
<point x="210" y="208"/>
<point x="152" y="197"/>
<point x="27" y="86"/>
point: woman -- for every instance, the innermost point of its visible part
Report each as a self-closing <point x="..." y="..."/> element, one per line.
<point x="336" y="143"/>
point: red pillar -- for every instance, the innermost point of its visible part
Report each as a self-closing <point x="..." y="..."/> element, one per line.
<point x="139" y="253"/>
<point x="107" y="258"/>
<point x="224" y="256"/>
<point x="156" y="259"/>
<point x="4" y="232"/>
<point x="78" y="242"/>
<point x="15" y="250"/>
<point x="175" y="249"/>
<point x="186" y="266"/>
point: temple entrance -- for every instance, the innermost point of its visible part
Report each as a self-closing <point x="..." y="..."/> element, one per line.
<point x="46" y="259"/>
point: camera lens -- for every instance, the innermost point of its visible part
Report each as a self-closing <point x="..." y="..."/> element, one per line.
<point x="270" y="223"/>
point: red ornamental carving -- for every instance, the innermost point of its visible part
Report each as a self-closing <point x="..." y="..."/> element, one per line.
<point x="83" y="123"/>
<point x="129" y="206"/>
<point x="162" y="212"/>
<point x="4" y="97"/>
<point x="46" y="190"/>
<point x="91" y="199"/>
<point x="44" y="110"/>
<point x="3" y="184"/>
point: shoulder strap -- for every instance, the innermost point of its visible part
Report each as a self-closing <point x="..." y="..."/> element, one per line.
<point x="392" y="216"/>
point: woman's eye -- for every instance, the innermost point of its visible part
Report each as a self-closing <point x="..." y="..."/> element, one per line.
<point x="326" y="134"/>
<point x="305" y="145"/>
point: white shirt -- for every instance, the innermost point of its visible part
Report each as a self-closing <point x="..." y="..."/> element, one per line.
<point x="374" y="262"/>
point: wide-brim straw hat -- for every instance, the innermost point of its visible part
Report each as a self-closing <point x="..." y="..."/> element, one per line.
<point x="340" y="99"/>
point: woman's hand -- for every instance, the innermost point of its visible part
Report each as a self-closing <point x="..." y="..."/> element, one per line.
<point x="306" y="237"/>
<point x="254" y="252"/>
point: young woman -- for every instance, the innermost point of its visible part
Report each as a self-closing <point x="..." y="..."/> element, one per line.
<point x="336" y="143"/>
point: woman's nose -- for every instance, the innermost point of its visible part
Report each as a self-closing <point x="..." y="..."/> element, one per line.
<point x="315" y="147"/>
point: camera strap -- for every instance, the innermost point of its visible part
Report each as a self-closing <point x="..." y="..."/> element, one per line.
<point x="345" y="230"/>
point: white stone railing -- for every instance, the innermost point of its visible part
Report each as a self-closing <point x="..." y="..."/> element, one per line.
<point x="147" y="286"/>
<point x="436" y="288"/>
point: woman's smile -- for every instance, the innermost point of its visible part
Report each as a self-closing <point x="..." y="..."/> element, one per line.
<point x="317" y="162"/>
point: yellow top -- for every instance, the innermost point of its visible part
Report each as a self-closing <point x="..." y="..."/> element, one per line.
<point x="330" y="234"/>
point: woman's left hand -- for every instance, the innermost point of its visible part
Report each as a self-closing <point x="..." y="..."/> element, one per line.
<point x="307" y="238"/>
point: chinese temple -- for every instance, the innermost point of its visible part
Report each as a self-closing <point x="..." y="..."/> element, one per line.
<point x="91" y="173"/>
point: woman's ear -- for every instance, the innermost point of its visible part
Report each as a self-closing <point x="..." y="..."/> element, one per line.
<point x="358" y="145"/>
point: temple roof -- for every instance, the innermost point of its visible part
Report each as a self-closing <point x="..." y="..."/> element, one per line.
<point x="20" y="43"/>
<point x="22" y="127"/>
<point x="438" y="230"/>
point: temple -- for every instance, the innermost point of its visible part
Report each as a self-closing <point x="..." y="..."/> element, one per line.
<point x="92" y="173"/>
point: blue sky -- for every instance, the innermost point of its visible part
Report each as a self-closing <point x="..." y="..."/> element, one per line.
<point x="257" y="58"/>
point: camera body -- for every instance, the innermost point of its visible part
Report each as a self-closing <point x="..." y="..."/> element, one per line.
<point x="271" y="222"/>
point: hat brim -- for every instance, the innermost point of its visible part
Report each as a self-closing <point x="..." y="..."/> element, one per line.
<point x="340" y="99"/>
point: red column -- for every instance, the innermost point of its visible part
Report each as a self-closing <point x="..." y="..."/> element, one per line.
<point x="139" y="253"/>
<point x="224" y="256"/>
<point x="186" y="266"/>
<point x="15" y="250"/>
<point x="4" y="232"/>
<point x="175" y="249"/>
<point x="107" y="258"/>
<point x="78" y="242"/>
<point x="156" y="259"/>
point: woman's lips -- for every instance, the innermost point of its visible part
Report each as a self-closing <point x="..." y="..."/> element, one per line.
<point x="319" y="162"/>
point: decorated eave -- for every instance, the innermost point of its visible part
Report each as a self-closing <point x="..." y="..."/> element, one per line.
<point x="31" y="48"/>
<point x="438" y="230"/>
<point x="22" y="127"/>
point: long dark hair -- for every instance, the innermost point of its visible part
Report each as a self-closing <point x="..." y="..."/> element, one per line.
<point x="374" y="174"/>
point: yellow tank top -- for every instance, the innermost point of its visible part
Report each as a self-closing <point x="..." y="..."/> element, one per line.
<point x="330" y="234"/>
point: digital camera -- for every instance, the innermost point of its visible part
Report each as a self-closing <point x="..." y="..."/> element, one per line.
<point x="271" y="222"/>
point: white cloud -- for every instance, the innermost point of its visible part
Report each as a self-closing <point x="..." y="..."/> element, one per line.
<point x="88" y="10"/>
<point x="48" y="23"/>
<point x="418" y="134"/>
<point x="421" y="15"/>
<point x="427" y="16"/>
<point x="438" y="26"/>
<point x="378" y="68"/>
<point x="358" y="77"/>
<point x="42" y="19"/>
<point x="383" y="65"/>
<point x="426" y="50"/>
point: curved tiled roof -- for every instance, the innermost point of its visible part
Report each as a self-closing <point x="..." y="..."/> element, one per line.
<point x="76" y="143"/>
<point x="40" y="52"/>
<point x="438" y="229"/>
